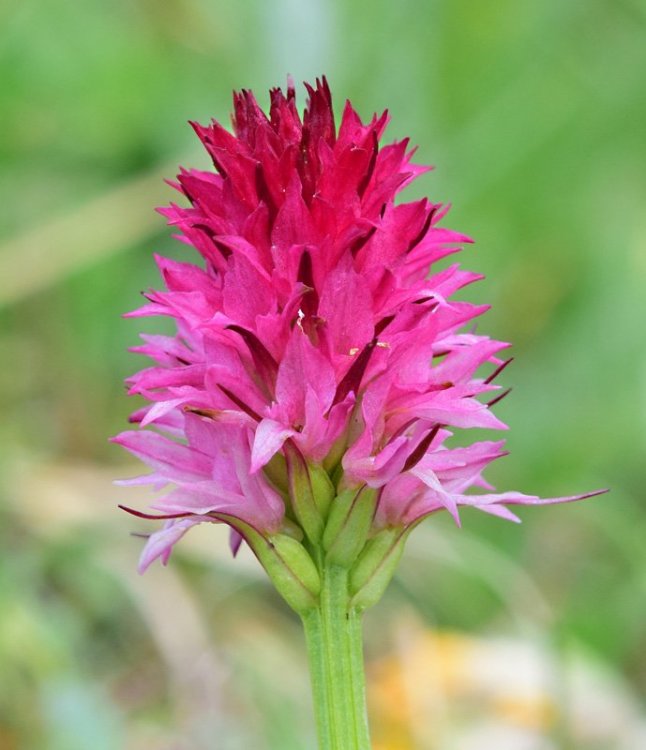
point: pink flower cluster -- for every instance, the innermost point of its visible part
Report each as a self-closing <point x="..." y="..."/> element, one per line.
<point x="318" y="326"/>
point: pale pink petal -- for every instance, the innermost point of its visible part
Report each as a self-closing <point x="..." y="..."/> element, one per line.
<point x="160" y="544"/>
<point x="269" y="438"/>
<point x="171" y="460"/>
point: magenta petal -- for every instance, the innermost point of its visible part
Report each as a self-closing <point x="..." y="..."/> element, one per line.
<point x="458" y="412"/>
<point x="303" y="367"/>
<point x="438" y="493"/>
<point x="346" y="307"/>
<point x="269" y="438"/>
<point x="161" y="409"/>
<point x="379" y="469"/>
<point x="171" y="460"/>
<point x="247" y="293"/>
<point x="200" y="498"/>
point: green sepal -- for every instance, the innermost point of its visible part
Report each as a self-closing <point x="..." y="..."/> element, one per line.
<point x="292" y="529"/>
<point x="376" y="566"/>
<point x="332" y="462"/>
<point x="310" y="493"/>
<point x="276" y="471"/>
<point x="293" y="572"/>
<point x="322" y="488"/>
<point x="349" y="524"/>
<point x="286" y="562"/>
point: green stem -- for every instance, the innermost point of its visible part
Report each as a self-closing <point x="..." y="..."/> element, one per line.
<point x="334" y="644"/>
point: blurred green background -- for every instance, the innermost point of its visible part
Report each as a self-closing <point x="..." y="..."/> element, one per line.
<point x="493" y="636"/>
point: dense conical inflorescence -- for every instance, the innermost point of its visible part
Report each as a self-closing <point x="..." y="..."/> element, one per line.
<point x="319" y="359"/>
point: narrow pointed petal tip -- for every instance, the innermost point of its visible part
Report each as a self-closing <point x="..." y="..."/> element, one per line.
<point x="556" y="500"/>
<point x="314" y="316"/>
<point x="152" y="516"/>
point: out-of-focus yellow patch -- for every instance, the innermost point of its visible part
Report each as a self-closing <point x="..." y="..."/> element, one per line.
<point x="434" y="683"/>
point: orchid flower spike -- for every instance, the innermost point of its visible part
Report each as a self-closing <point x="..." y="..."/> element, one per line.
<point x="320" y="366"/>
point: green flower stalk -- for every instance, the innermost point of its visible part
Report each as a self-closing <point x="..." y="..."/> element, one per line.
<point x="309" y="396"/>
